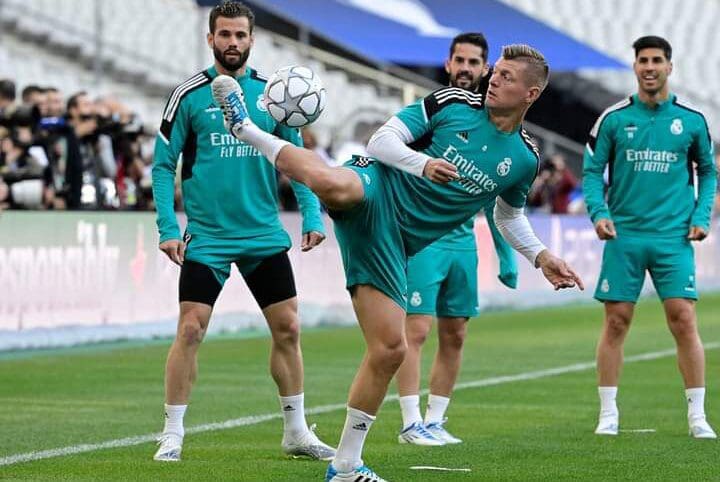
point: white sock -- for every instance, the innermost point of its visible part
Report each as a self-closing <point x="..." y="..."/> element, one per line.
<point x="436" y="408"/>
<point x="696" y="402"/>
<point x="608" y="405"/>
<point x="293" y="409"/>
<point x="410" y="408"/>
<point x="349" y="451"/>
<point x="268" y="144"/>
<point x="174" y="419"/>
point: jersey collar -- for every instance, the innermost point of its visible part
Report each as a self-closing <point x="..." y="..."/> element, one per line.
<point x="660" y="107"/>
<point x="214" y="73"/>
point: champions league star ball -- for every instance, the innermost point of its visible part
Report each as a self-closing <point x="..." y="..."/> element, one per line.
<point x="294" y="96"/>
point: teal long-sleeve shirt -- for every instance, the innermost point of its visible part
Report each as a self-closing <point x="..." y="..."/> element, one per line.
<point x="229" y="189"/>
<point x="652" y="156"/>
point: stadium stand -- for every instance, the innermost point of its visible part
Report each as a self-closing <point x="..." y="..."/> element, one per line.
<point x="612" y="26"/>
<point x="147" y="48"/>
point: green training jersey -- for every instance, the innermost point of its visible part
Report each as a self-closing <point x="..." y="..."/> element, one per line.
<point x="452" y="124"/>
<point x="652" y="155"/>
<point x="460" y="239"/>
<point x="227" y="191"/>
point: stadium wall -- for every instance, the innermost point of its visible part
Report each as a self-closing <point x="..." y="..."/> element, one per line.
<point x="68" y="278"/>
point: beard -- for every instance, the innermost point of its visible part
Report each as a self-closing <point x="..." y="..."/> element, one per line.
<point x="231" y="65"/>
<point x="466" y="77"/>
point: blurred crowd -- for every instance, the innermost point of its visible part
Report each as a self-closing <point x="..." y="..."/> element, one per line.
<point x="556" y="189"/>
<point x="63" y="150"/>
<point x="68" y="150"/>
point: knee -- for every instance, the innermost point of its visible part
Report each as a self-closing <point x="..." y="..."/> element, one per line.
<point x="191" y="332"/>
<point x="682" y="322"/>
<point x="390" y="355"/>
<point x="452" y="339"/>
<point x="287" y="332"/>
<point x="617" y="324"/>
<point x="416" y="338"/>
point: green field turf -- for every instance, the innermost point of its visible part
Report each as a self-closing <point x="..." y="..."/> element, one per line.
<point x="537" y="429"/>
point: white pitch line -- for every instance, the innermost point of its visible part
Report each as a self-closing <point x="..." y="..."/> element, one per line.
<point x="256" y="419"/>
<point x="440" y="469"/>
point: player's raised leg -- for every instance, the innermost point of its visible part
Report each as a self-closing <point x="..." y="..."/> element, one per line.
<point x="682" y="321"/>
<point x="337" y="188"/>
<point x="381" y="321"/>
<point x="618" y="316"/>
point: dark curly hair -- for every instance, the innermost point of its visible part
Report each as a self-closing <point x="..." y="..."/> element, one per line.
<point x="231" y="9"/>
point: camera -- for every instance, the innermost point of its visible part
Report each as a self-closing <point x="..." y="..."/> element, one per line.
<point x="19" y="116"/>
<point x="116" y="126"/>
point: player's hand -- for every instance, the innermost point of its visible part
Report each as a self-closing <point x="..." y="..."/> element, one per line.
<point x="440" y="171"/>
<point x="311" y="239"/>
<point x="697" y="233"/>
<point x="174" y="249"/>
<point x="557" y="271"/>
<point x="605" y="229"/>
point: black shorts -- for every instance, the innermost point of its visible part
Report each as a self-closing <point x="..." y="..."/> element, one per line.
<point x="272" y="281"/>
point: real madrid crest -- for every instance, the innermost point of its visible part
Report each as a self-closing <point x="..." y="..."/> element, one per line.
<point x="504" y="167"/>
<point x="676" y="127"/>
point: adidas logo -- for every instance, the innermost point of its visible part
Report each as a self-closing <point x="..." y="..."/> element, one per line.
<point x="288" y="408"/>
<point x="463" y="136"/>
<point x="360" y="426"/>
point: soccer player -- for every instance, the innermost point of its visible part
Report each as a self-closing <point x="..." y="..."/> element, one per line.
<point x="386" y="211"/>
<point x="442" y="282"/>
<point x="231" y="207"/>
<point x="653" y="144"/>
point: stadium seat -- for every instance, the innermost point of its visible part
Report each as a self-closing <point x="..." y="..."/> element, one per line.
<point x="611" y="26"/>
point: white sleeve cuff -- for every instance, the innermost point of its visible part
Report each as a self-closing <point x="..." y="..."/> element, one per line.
<point x="516" y="229"/>
<point x="389" y="146"/>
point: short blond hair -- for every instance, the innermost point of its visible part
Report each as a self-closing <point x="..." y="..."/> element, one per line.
<point x="537" y="66"/>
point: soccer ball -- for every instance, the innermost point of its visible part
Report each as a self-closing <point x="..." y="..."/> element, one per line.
<point x="294" y="96"/>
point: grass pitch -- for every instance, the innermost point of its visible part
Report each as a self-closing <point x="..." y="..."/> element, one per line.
<point x="539" y="428"/>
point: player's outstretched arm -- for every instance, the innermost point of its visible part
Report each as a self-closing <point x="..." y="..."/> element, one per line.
<point x="516" y="229"/>
<point x="557" y="271"/>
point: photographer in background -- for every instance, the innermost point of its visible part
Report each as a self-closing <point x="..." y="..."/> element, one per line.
<point x="553" y="186"/>
<point x="25" y="178"/>
<point x="133" y="179"/>
<point x="98" y="165"/>
<point x="24" y="167"/>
